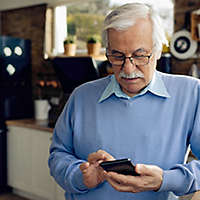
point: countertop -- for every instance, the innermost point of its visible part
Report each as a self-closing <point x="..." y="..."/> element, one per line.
<point x="31" y="123"/>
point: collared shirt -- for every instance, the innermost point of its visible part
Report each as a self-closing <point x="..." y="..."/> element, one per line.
<point x="156" y="86"/>
<point x="156" y="127"/>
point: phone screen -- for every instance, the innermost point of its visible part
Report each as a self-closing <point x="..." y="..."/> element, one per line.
<point x="122" y="166"/>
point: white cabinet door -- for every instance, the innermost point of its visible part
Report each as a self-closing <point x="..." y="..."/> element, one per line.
<point x="60" y="193"/>
<point x="19" y="151"/>
<point x="43" y="184"/>
<point x="27" y="162"/>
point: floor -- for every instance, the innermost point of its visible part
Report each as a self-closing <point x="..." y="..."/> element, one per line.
<point x="15" y="197"/>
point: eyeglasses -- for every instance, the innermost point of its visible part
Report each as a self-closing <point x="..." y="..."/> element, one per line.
<point x="119" y="59"/>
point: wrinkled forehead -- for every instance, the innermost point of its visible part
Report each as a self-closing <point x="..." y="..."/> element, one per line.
<point x="137" y="36"/>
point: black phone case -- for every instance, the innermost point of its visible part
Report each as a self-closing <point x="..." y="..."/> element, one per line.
<point x="123" y="166"/>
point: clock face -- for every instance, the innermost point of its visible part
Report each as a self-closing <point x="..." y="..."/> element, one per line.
<point x="182" y="46"/>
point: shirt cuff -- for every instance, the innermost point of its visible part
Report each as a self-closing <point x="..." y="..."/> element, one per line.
<point x="173" y="180"/>
<point x="77" y="180"/>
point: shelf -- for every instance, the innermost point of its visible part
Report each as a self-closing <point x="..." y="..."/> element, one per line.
<point x="195" y="20"/>
<point x="100" y="57"/>
<point x="183" y="10"/>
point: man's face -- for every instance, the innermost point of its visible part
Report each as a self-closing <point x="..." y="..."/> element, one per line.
<point x="136" y="41"/>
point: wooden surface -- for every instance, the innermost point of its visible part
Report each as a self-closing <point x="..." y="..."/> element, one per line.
<point x="31" y="123"/>
<point x="195" y="20"/>
<point x="196" y="196"/>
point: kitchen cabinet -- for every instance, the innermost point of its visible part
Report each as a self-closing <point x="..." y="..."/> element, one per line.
<point x="28" y="172"/>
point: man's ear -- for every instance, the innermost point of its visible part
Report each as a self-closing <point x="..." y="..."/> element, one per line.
<point x="158" y="55"/>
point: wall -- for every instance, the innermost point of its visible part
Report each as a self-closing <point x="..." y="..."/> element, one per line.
<point x="183" y="9"/>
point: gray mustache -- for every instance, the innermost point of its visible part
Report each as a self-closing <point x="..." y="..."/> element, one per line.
<point x="132" y="75"/>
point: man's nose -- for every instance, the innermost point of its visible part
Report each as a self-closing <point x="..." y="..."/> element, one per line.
<point x="129" y="65"/>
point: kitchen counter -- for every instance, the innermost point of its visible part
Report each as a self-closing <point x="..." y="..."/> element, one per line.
<point x="31" y="123"/>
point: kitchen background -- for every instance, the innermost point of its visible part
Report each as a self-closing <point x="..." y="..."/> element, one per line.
<point x="29" y="23"/>
<point x="33" y="22"/>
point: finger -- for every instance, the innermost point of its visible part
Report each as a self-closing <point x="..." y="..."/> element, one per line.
<point x="151" y="174"/>
<point x="84" y="166"/>
<point x="142" y="169"/>
<point x="106" y="154"/>
<point x="147" y="170"/>
<point x="123" y="179"/>
<point x="100" y="155"/>
<point x="95" y="157"/>
<point x="118" y="186"/>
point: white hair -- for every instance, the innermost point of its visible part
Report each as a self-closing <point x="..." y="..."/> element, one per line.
<point x="126" y="15"/>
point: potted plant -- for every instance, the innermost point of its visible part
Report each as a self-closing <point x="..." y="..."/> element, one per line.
<point x="70" y="45"/>
<point x="94" y="45"/>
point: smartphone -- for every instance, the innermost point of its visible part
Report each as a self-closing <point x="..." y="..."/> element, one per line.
<point x="122" y="166"/>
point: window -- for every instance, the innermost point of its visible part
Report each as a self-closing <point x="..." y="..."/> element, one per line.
<point x="87" y="19"/>
<point x="55" y="30"/>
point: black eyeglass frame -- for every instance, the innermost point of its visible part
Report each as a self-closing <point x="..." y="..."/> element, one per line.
<point x="131" y="58"/>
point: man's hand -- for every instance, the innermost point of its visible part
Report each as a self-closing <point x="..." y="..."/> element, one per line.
<point x="93" y="174"/>
<point x="99" y="156"/>
<point x="150" y="179"/>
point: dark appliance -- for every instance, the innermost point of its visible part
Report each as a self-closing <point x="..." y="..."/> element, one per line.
<point x="3" y="159"/>
<point x="71" y="72"/>
<point x="15" y="91"/>
<point x="164" y="63"/>
<point x="15" y="78"/>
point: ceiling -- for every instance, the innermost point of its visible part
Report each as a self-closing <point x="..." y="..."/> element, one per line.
<point x="14" y="4"/>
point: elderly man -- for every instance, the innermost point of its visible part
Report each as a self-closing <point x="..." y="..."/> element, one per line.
<point x="137" y="113"/>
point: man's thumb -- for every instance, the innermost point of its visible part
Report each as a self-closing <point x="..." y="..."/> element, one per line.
<point x="143" y="169"/>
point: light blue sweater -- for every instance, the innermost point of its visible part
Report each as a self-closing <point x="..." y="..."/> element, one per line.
<point x="154" y="127"/>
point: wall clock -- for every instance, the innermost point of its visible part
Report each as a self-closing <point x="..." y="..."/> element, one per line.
<point x="182" y="46"/>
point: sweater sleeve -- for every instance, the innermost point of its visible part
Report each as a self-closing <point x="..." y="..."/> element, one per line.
<point x="185" y="179"/>
<point x="63" y="164"/>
